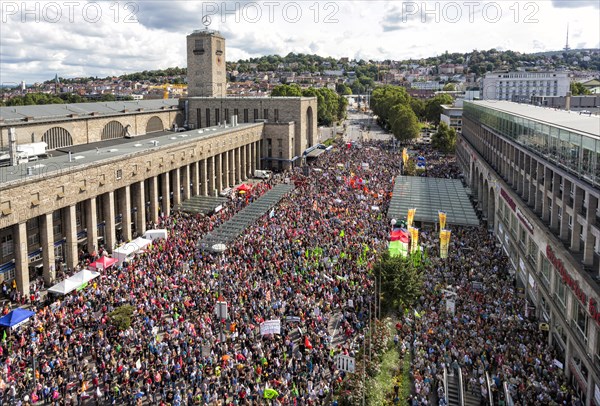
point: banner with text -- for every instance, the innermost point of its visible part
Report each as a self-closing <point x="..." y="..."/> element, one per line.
<point x="270" y="327"/>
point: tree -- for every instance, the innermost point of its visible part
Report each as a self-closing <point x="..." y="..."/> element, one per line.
<point x="418" y="106"/>
<point x="444" y="139"/>
<point x="357" y="87"/>
<point x="578" y="89"/>
<point x="401" y="280"/>
<point x="384" y="98"/>
<point x="449" y="87"/>
<point x="403" y="123"/>
<point x="343" y="89"/>
<point x="121" y="317"/>
<point x="292" y="90"/>
<point x="433" y="107"/>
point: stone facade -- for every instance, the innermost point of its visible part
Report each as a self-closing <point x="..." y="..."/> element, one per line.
<point x="46" y="218"/>
<point x="71" y="202"/>
<point x="84" y="130"/>
<point x="302" y="111"/>
<point x="207" y="74"/>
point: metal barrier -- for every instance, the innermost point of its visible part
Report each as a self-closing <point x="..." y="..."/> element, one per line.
<point x="489" y="388"/>
<point x="446" y="384"/>
<point x="507" y="395"/>
<point x="461" y="395"/>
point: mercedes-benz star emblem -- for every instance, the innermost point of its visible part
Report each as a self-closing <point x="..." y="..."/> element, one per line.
<point x="206" y="20"/>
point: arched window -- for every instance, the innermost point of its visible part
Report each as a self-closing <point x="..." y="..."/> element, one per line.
<point x="114" y="129"/>
<point x="57" y="137"/>
<point x="179" y="120"/>
<point x="154" y="124"/>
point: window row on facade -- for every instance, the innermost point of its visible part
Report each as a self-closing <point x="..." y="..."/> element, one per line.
<point x="575" y="152"/>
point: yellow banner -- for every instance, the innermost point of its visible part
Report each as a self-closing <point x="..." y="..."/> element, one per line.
<point x="414" y="238"/>
<point x="404" y="156"/>
<point x="444" y="243"/>
<point x="442" y="217"/>
<point x="410" y="217"/>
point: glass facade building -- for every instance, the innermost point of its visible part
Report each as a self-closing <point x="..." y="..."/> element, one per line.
<point x="572" y="150"/>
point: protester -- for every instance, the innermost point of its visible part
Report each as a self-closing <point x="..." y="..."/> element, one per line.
<point x="305" y="264"/>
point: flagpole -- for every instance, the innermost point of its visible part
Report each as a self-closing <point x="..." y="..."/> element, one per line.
<point x="364" y="370"/>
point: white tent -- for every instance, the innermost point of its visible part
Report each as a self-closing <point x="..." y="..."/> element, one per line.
<point x="126" y="251"/>
<point x="64" y="287"/>
<point x="74" y="282"/>
<point x="84" y="276"/>
<point x="155" y="234"/>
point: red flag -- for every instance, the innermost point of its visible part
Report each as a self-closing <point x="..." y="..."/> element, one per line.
<point x="307" y="343"/>
<point x="399" y="235"/>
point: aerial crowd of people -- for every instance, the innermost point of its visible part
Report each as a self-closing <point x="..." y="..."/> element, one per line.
<point x="305" y="264"/>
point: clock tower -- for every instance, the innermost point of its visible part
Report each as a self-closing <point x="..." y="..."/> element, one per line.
<point x="206" y="70"/>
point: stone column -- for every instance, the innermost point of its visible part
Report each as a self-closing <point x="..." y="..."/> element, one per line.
<point x="186" y="182"/>
<point x="232" y="167"/>
<point x="154" y="203"/>
<point x="175" y="173"/>
<point x="226" y="169"/>
<point x="238" y="166"/>
<point x="139" y="205"/>
<point x="166" y="190"/>
<point x="195" y="178"/>
<point x="203" y="177"/>
<point x="70" y="221"/>
<point x="21" y="258"/>
<point x="546" y="188"/>
<point x="108" y="200"/>
<point x="211" y="176"/>
<point x="244" y="166"/>
<point x="577" y="228"/>
<point x="91" y="223"/>
<point x="564" y="222"/>
<point x="554" y="209"/>
<point x="257" y="155"/>
<point x="218" y="174"/>
<point x="539" y="196"/>
<point x="590" y="218"/>
<point x="125" y="209"/>
<point x="47" y="239"/>
<point x="250" y="169"/>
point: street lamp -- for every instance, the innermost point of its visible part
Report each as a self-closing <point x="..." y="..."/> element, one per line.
<point x="220" y="249"/>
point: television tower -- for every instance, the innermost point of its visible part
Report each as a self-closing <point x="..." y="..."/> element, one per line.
<point x="567" y="48"/>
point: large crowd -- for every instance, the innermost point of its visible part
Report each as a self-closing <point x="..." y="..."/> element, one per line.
<point x="305" y="264"/>
<point x="489" y="331"/>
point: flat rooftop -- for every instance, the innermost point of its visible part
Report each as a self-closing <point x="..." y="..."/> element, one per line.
<point x="430" y="195"/>
<point x="49" y="112"/>
<point x="105" y="151"/>
<point x="573" y="121"/>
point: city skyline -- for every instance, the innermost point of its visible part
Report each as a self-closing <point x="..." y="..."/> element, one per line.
<point x="82" y="39"/>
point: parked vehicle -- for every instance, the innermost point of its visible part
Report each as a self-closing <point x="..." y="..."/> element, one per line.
<point x="263" y="174"/>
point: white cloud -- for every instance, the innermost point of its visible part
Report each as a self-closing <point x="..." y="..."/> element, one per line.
<point x="362" y="29"/>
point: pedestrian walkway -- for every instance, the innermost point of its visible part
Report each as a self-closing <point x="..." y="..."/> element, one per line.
<point x="229" y="230"/>
<point x="202" y="204"/>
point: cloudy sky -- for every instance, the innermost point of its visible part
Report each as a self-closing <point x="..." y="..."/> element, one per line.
<point x="71" y="38"/>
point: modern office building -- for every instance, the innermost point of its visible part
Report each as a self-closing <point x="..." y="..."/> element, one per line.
<point x="535" y="173"/>
<point x="452" y="116"/>
<point x="112" y="167"/>
<point x="521" y="86"/>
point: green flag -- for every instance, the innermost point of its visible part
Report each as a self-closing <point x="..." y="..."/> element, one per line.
<point x="270" y="393"/>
